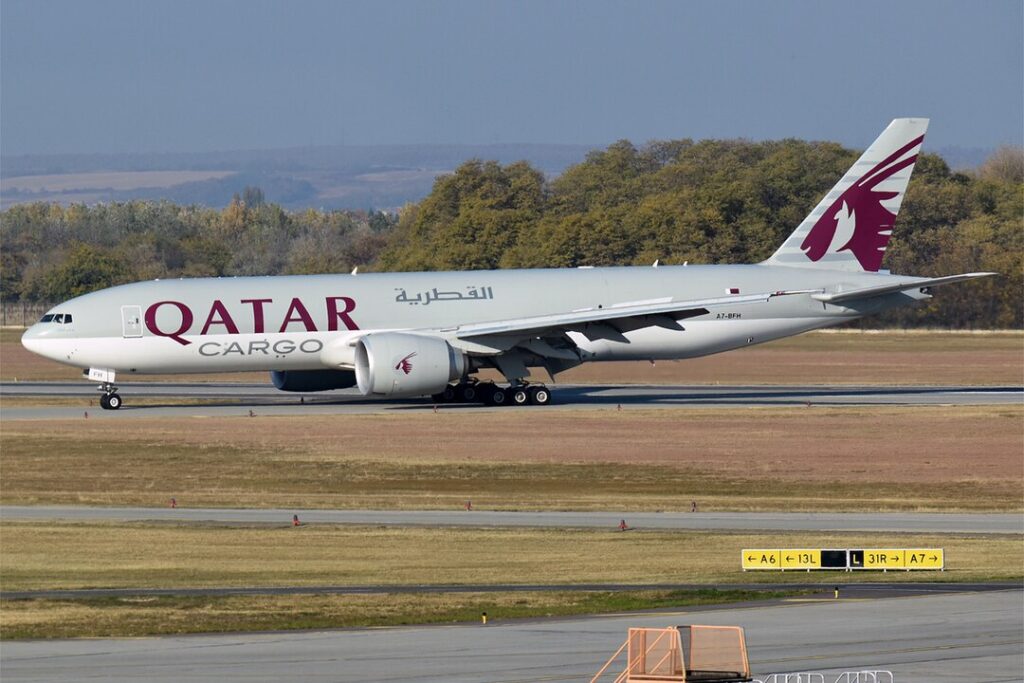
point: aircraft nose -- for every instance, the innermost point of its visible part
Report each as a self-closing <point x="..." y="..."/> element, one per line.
<point x="39" y="340"/>
<point x="31" y="339"/>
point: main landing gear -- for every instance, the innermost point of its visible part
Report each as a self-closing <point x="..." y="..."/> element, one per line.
<point x="109" y="400"/>
<point x="491" y="394"/>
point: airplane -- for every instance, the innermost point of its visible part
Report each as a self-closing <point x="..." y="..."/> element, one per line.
<point x="428" y="334"/>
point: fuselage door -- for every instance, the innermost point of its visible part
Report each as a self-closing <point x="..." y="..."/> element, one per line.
<point x="131" y="321"/>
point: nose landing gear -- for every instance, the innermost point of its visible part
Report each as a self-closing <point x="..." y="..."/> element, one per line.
<point x="109" y="400"/>
<point x="105" y="376"/>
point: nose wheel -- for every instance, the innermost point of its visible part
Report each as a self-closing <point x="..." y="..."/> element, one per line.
<point x="110" y="399"/>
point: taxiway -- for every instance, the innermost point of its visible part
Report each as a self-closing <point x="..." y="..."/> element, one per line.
<point x="886" y="522"/>
<point x="953" y="637"/>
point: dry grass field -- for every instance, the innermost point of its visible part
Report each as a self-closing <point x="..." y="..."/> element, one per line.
<point x="136" y="617"/>
<point x="888" y="358"/>
<point x="817" y="458"/>
<point x="762" y="459"/>
<point x="106" y="180"/>
<point x="844" y="357"/>
<point x="108" y="555"/>
<point x="138" y="555"/>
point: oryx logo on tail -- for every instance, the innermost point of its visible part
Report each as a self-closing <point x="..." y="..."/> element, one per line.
<point x="850" y="227"/>
<point x="858" y="221"/>
<point x="405" y="365"/>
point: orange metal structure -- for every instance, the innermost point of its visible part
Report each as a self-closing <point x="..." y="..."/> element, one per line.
<point x="710" y="654"/>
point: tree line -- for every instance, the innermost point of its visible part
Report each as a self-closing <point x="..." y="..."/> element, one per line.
<point x="50" y="252"/>
<point x="710" y="201"/>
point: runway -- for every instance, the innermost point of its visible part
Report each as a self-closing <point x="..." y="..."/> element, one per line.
<point x="975" y="637"/>
<point x="886" y="522"/>
<point x="231" y="399"/>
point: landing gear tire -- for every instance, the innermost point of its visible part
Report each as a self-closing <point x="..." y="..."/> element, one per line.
<point x="110" y="401"/>
<point x="467" y="393"/>
<point x="540" y="396"/>
<point x="520" y="396"/>
<point x="496" y="396"/>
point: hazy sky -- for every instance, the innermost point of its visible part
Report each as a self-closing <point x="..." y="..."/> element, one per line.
<point x="200" y="75"/>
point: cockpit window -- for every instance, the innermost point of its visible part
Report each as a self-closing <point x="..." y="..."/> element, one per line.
<point x="59" y="318"/>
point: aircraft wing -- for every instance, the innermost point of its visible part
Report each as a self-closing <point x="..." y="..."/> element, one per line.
<point x="881" y="290"/>
<point x="610" y="320"/>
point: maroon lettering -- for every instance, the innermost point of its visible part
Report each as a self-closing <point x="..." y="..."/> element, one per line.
<point x="223" y="319"/>
<point x="257" y="313"/>
<point x="186" y="321"/>
<point x="334" y="315"/>
<point x="297" y="313"/>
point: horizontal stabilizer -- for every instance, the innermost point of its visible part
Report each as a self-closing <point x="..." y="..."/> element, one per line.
<point x="882" y="290"/>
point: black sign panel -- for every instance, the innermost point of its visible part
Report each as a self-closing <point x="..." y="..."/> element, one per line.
<point x="833" y="559"/>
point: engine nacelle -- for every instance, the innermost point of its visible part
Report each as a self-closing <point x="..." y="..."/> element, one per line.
<point x="399" y="364"/>
<point x="312" y="380"/>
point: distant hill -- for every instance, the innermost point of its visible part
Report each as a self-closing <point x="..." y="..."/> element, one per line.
<point x="378" y="177"/>
<point x="335" y="177"/>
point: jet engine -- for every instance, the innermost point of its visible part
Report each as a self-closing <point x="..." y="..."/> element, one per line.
<point x="398" y="364"/>
<point x="312" y="380"/>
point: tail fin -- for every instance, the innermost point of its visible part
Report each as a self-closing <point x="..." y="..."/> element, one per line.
<point x="850" y="228"/>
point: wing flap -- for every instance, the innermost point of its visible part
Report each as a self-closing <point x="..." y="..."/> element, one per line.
<point x="630" y="315"/>
<point x="882" y="290"/>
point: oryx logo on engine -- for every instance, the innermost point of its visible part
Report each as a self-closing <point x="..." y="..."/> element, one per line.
<point x="405" y="365"/>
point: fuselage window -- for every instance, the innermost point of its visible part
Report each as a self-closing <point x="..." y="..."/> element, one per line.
<point x="67" y="318"/>
<point x="48" y="318"/>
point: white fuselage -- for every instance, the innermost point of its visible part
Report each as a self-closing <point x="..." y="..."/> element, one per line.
<point x="309" y="322"/>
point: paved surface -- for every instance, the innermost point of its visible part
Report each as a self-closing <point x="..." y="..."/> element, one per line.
<point x="215" y="399"/>
<point x="960" y="637"/>
<point x="896" y="522"/>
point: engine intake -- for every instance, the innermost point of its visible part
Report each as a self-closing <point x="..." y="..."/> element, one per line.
<point x="399" y="364"/>
<point x="312" y="380"/>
